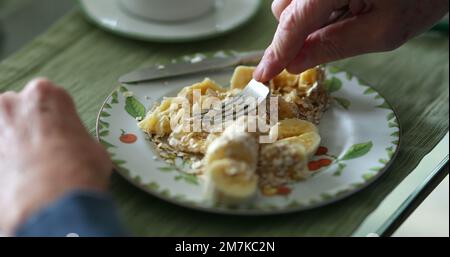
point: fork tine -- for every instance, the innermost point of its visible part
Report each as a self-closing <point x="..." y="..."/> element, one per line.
<point x="253" y="89"/>
<point x="236" y="113"/>
<point x="225" y="105"/>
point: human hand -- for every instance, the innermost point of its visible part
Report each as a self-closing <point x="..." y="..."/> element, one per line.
<point x="303" y="39"/>
<point x="45" y="152"/>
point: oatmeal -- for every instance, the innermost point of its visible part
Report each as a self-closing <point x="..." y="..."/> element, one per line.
<point x="233" y="161"/>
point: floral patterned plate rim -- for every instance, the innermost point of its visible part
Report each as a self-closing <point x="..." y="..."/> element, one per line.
<point x="360" y="139"/>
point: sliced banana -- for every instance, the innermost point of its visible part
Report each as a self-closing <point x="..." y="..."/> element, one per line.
<point x="158" y="121"/>
<point x="291" y="128"/>
<point x="285" y="79"/>
<point x="235" y="143"/>
<point x="309" y="77"/>
<point x="310" y="141"/>
<point x="311" y="80"/>
<point x="231" y="182"/>
<point x="236" y="149"/>
<point x="203" y="87"/>
<point x="148" y="123"/>
<point x="230" y="162"/>
<point x="241" y="77"/>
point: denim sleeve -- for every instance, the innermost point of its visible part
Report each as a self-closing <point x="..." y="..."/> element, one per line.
<point x="79" y="213"/>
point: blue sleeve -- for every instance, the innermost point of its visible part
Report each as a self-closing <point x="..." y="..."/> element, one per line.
<point x="79" y="213"/>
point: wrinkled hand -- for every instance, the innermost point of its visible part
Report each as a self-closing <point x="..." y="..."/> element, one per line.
<point x="44" y="152"/>
<point x="303" y="40"/>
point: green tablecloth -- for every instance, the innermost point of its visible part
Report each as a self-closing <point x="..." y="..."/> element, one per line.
<point x="87" y="62"/>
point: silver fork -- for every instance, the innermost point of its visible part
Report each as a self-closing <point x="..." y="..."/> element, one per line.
<point x="248" y="99"/>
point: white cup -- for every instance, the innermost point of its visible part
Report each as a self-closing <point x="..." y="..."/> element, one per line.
<point x="168" y="10"/>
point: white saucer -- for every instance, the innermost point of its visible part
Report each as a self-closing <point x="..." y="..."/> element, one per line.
<point x="227" y="15"/>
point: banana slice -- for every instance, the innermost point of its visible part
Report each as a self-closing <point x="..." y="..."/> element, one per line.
<point x="291" y="128"/>
<point x="236" y="149"/>
<point x="148" y="124"/>
<point x="158" y="121"/>
<point x="310" y="141"/>
<point x="203" y="87"/>
<point x="230" y="162"/>
<point x="311" y="80"/>
<point x="309" y="77"/>
<point x="241" y="77"/>
<point x="285" y="79"/>
<point x="234" y="143"/>
<point x="231" y="182"/>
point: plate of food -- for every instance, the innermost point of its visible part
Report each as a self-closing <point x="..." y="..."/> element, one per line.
<point x="331" y="135"/>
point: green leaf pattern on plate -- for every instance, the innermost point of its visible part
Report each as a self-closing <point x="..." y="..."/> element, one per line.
<point x="180" y="168"/>
<point x="357" y="150"/>
<point x="132" y="105"/>
<point x="332" y="85"/>
<point x="384" y="105"/>
<point x="114" y="98"/>
<point x="167" y="169"/>
<point x="340" y="169"/>
<point x="134" y="108"/>
<point x="345" y="103"/>
<point x="334" y="69"/>
<point x="104" y="114"/>
<point x="106" y="144"/>
<point x="370" y="91"/>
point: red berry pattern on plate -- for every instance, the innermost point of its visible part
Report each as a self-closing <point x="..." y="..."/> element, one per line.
<point x="322" y="150"/>
<point x="127" y="138"/>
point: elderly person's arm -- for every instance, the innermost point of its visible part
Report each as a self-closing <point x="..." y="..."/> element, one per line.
<point x="53" y="174"/>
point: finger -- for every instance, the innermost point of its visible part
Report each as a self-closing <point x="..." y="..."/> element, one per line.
<point x="278" y="7"/>
<point x="296" y="23"/>
<point x="39" y="86"/>
<point x="46" y="95"/>
<point x="38" y="89"/>
<point x="337" y="41"/>
<point x="39" y="96"/>
<point x="7" y="108"/>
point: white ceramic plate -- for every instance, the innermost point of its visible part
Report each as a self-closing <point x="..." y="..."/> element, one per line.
<point x="360" y="133"/>
<point x="226" y="16"/>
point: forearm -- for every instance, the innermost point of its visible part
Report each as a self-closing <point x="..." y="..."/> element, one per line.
<point x="78" y="213"/>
